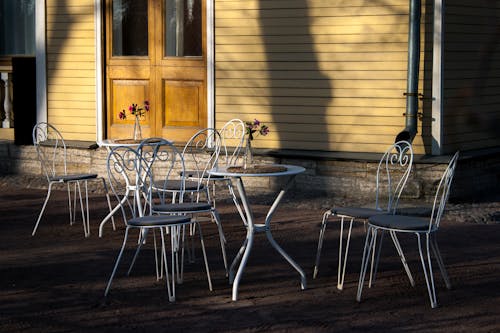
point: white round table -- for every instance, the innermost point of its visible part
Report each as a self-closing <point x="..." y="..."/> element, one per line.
<point x="272" y="170"/>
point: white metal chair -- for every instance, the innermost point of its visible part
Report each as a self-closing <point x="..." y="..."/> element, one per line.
<point x="421" y="227"/>
<point x="392" y="173"/>
<point x="231" y="154"/>
<point x="137" y="165"/>
<point x="51" y="151"/>
<point x="232" y="142"/>
<point x="200" y="155"/>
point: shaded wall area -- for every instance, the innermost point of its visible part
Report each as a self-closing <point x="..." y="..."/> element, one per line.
<point x="471" y="74"/>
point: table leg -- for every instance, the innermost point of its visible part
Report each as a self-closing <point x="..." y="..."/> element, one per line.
<point x="247" y="245"/>
<point x="245" y="249"/>
<point x="270" y="213"/>
<point x="303" y="281"/>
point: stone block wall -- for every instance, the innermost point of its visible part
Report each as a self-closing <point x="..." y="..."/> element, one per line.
<point x="477" y="175"/>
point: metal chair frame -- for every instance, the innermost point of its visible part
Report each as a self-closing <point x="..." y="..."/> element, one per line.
<point x="232" y="134"/>
<point x="52" y="154"/>
<point x="137" y="165"/>
<point x="196" y="160"/>
<point x="398" y="158"/>
<point x="423" y="229"/>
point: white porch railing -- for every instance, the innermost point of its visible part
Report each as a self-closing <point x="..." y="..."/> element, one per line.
<point x="6" y="76"/>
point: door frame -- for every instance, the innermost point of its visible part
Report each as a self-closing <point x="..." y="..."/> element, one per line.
<point x="100" y="40"/>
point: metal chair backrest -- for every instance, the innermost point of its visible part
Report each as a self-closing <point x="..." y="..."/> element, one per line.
<point x="392" y="174"/>
<point x="51" y="149"/>
<point x="232" y="135"/>
<point x="164" y="164"/>
<point x="201" y="154"/>
<point x="442" y="193"/>
<point x="124" y="166"/>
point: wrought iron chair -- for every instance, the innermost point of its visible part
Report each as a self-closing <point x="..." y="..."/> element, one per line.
<point x="200" y="155"/>
<point x="392" y="173"/>
<point x="51" y="151"/>
<point x="137" y="165"/>
<point x="231" y="154"/>
<point x="421" y="227"/>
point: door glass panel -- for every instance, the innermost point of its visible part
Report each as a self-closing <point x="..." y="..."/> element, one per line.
<point x="183" y="28"/>
<point x="130" y="28"/>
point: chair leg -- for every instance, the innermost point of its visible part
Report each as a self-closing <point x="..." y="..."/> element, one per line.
<point x="324" y="222"/>
<point x="181" y="237"/>
<point x="173" y="233"/>
<point x="77" y="185"/>
<point x="158" y="264"/>
<point x="177" y="236"/>
<point x="49" y="190"/>
<point x="87" y="208"/>
<point x="117" y="262"/>
<point x="427" y="267"/>
<point x="171" y="297"/>
<point x="191" y="254"/>
<point x="216" y="216"/>
<point x="142" y="239"/>
<point x="205" y="258"/>
<point x="440" y="262"/>
<point x="402" y="257"/>
<point x="71" y="205"/>
<point x="340" y="278"/>
<point x="375" y="258"/>
<point x="109" y="203"/>
<point x="371" y="234"/>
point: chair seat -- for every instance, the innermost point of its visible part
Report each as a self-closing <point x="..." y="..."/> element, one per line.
<point x="401" y="222"/>
<point x="183" y="207"/>
<point x="414" y="211"/>
<point x="357" y="212"/>
<point x="68" y="178"/>
<point x="157" y="220"/>
<point x="175" y="185"/>
<point x="194" y="174"/>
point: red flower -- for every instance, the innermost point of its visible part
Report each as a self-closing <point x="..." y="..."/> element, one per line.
<point x="135" y="110"/>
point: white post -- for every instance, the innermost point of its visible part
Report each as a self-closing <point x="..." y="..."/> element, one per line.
<point x="437" y="80"/>
<point x="7" y="103"/>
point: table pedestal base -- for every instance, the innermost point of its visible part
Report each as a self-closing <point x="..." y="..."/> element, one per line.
<point x="244" y="251"/>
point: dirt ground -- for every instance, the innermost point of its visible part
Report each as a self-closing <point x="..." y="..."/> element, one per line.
<point x="54" y="281"/>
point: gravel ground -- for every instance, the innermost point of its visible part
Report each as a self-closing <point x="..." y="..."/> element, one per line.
<point x="54" y="282"/>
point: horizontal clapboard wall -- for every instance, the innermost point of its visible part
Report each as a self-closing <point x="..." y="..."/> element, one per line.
<point x="324" y="75"/>
<point x="71" y="93"/>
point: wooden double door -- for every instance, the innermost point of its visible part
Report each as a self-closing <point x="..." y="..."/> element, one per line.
<point x="156" y="51"/>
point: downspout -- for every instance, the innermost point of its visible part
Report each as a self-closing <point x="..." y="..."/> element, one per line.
<point x="412" y="73"/>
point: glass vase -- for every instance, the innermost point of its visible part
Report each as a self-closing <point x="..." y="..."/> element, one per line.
<point x="248" y="159"/>
<point x="137" y="129"/>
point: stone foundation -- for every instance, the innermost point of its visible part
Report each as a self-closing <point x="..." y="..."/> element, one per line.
<point x="477" y="175"/>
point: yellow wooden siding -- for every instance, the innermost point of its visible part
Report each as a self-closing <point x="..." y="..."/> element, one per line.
<point x="71" y="68"/>
<point x="472" y="75"/>
<point x="323" y="74"/>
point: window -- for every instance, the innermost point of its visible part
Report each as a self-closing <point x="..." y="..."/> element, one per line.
<point x="183" y="28"/>
<point x="17" y="27"/>
<point x="130" y="28"/>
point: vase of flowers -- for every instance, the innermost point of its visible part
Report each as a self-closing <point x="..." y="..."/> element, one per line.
<point x="253" y="128"/>
<point x="138" y="112"/>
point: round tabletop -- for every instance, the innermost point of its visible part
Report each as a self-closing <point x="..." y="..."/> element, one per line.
<point x="121" y="142"/>
<point x="259" y="170"/>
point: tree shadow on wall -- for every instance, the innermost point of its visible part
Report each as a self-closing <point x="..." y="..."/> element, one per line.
<point x="299" y="91"/>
